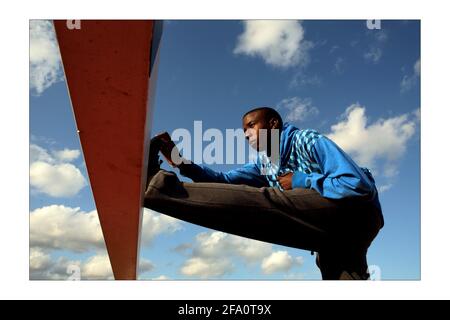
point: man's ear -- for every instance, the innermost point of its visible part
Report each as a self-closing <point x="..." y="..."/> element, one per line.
<point x="274" y="123"/>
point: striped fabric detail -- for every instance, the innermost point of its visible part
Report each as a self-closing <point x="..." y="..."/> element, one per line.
<point x="300" y="158"/>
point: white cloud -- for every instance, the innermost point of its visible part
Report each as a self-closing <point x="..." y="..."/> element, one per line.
<point x="154" y="223"/>
<point x="42" y="139"/>
<point x="378" y="39"/>
<point x="374" y="54"/>
<point x="214" y="254"/>
<point x="218" y="244"/>
<point x="182" y="248"/>
<point x="64" y="228"/>
<point x="38" y="153"/>
<point x="417" y="114"/>
<point x="280" y="261"/>
<point x="52" y="175"/>
<point x="161" y="277"/>
<point x="417" y="67"/>
<point x="279" y="43"/>
<point x="145" y="266"/>
<point x="206" y="267"/>
<point x="297" y="109"/>
<point x="300" y="79"/>
<point x="407" y="83"/>
<point x="39" y="260"/>
<point x="410" y="80"/>
<point x="54" y="269"/>
<point x="333" y="49"/>
<point x="58" y="180"/>
<point x="384" y="140"/>
<point x="380" y="35"/>
<point x="45" y="67"/>
<point x="301" y="276"/>
<point x="58" y="227"/>
<point x="96" y="267"/>
<point x="67" y="155"/>
<point x="338" y="65"/>
<point x="385" y="187"/>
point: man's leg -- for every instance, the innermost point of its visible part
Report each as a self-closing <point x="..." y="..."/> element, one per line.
<point x="344" y="257"/>
<point x="351" y="225"/>
<point x="343" y="263"/>
<point x="298" y="218"/>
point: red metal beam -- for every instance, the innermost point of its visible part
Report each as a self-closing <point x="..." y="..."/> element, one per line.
<point x="107" y="67"/>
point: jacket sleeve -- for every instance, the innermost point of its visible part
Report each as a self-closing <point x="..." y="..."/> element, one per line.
<point x="339" y="177"/>
<point x="249" y="175"/>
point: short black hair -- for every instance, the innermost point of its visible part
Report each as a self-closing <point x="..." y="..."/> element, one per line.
<point x="269" y="113"/>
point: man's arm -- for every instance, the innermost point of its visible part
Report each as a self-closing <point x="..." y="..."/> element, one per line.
<point x="248" y="174"/>
<point x="340" y="176"/>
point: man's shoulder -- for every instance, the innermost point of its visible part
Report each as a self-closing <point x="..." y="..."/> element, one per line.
<point x="307" y="135"/>
<point x="304" y="139"/>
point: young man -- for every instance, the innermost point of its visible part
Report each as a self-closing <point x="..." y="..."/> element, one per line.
<point x="314" y="197"/>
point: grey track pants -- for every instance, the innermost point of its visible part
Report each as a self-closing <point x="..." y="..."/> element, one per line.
<point x="340" y="231"/>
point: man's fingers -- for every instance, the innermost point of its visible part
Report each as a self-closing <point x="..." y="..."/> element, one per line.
<point x="166" y="146"/>
<point x="285" y="180"/>
<point x="163" y="134"/>
<point x="168" y="150"/>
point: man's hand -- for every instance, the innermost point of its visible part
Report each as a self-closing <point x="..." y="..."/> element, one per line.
<point x="286" y="180"/>
<point x="168" y="149"/>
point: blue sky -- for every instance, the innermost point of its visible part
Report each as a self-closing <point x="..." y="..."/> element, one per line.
<point x="359" y="86"/>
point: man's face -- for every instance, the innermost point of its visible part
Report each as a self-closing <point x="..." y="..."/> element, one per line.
<point x="251" y="124"/>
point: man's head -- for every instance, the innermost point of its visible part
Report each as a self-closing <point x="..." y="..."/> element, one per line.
<point x="260" y="118"/>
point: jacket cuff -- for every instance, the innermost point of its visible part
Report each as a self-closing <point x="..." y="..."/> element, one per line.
<point x="187" y="169"/>
<point x="299" y="180"/>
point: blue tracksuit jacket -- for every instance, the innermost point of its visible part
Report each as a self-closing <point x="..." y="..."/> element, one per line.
<point x="316" y="161"/>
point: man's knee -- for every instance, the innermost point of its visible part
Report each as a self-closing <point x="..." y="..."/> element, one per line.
<point x="164" y="183"/>
<point x="342" y="263"/>
<point x="161" y="178"/>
